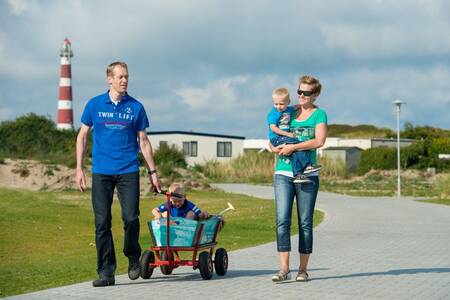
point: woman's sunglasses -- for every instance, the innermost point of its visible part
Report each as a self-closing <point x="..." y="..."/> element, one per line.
<point x="305" y="93"/>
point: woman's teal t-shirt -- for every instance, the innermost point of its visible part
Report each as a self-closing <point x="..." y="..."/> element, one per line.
<point x="304" y="130"/>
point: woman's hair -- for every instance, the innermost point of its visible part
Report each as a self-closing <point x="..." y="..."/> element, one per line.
<point x="283" y="93"/>
<point x="306" y="79"/>
<point x="110" y="68"/>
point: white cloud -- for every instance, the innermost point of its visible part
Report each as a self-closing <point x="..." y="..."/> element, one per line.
<point x="197" y="62"/>
<point x="18" y="7"/>
<point x="221" y="94"/>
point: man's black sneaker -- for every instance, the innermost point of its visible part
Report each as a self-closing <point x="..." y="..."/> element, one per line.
<point x="104" y="281"/>
<point x="134" y="270"/>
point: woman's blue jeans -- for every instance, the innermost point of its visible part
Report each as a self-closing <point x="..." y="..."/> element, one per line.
<point x="306" y="194"/>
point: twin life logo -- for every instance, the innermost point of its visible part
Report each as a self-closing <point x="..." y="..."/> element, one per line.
<point x="127" y="114"/>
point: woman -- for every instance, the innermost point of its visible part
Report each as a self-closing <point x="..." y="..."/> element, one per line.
<point x="309" y="123"/>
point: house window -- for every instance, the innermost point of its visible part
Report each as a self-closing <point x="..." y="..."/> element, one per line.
<point x="163" y="144"/>
<point x="190" y="149"/>
<point x="223" y="149"/>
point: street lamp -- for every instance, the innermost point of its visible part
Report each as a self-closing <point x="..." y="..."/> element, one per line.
<point x="397" y="104"/>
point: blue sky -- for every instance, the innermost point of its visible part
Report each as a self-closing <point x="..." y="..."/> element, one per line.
<point x="210" y="66"/>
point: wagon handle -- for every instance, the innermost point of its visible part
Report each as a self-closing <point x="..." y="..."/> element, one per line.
<point x="230" y="207"/>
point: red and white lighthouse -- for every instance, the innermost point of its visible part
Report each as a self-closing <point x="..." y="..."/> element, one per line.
<point x="65" y="112"/>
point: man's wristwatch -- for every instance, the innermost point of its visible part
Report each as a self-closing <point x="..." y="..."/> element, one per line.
<point x="151" y="172"/>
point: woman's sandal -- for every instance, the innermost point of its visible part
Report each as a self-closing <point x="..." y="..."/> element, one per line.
<point x="302" y="276"/>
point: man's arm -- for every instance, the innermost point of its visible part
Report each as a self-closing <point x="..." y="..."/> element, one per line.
<point x="82" y="137"/>
<point x="281" y="132"/>
<point x="147" y="152"/>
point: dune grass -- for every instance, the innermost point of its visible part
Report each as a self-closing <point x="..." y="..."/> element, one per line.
<point x="436" y="201"/>
<point x="47" y="238"/>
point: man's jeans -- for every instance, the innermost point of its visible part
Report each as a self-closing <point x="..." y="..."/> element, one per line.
<point x="306" y="194"/>
<point x="299" y="159"/>
<point x="102" y="197"/>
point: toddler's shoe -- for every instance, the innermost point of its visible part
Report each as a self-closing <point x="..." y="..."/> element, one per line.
<point x="301" y="179"/>
<point x="311" y="169"/>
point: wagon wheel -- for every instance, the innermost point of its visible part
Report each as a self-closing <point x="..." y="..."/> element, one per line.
<point x="205" y="265"/>
<point x="221" y="261"/>
<point x="166" y="270"/>
<point x="148" y="257"/>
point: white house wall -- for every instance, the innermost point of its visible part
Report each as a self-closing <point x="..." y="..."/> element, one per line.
<point x="360" y="143"/>
<point x="206" y="146"/>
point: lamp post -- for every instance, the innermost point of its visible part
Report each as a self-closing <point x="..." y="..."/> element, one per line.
<point x="397" y="104"/>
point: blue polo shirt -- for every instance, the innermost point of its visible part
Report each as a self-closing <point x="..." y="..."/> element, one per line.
<point x="115" y="146"/>
<point x="182" y="211"/>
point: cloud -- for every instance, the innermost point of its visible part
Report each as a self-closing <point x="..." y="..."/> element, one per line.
<point x="221" y="94"/>
<point x="364" y="96"/>
<point x="18" y="7"/>
<point x="205" y="65"/>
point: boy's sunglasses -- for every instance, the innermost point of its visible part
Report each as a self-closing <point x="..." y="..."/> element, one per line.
<point x="305" y="93"/>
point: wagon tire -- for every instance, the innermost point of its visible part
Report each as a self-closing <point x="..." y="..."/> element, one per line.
<point x="147" y="258"/>
<point x="166" y="270"/>
<point x="205" y="265"/>
<point x="221" y="261"/>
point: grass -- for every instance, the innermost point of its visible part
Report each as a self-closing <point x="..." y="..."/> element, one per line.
<point x="47" y="238"/>
<point x="437" y="201"/>
<point x="257" y="168"/>
<point x="378" y="185"/>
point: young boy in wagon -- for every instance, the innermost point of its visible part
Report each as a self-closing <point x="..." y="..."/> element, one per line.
<point x="179" y="205"/>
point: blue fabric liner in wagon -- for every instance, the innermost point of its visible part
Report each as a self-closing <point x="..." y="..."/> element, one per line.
<point x="183" y="232"/>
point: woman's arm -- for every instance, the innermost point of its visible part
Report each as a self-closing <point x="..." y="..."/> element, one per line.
<point x="274" y="149"/>
<point x="317" y="142"/>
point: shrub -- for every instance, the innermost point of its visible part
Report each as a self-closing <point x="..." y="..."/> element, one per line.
<point x="249" y="167"/>
<point x="36" y="137"/>
<point x="382" y="158"/>
<point x="169" y="155"/>
<point x="22" y="170"/>
<point x="168" y="159"/>
<point x="442" y="185"/>
<point x="439" y="146"/>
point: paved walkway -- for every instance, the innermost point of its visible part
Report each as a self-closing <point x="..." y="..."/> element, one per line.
<point x="366" y="248"/>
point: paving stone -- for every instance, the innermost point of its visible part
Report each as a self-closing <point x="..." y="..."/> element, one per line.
<point x="366" y="248"/>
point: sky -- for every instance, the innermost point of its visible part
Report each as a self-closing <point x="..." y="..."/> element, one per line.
<point x="210" y="66"/>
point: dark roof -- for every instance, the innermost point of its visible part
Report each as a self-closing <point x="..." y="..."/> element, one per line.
<point x="392" y="140"/>
<point x="342" y="148"/>
<point x="197" y="133"/>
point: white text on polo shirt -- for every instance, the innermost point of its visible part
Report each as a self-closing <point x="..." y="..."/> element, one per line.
<point x="123" y="116"/>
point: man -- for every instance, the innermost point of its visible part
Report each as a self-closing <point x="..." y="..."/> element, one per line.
<point x="119" y="123"/>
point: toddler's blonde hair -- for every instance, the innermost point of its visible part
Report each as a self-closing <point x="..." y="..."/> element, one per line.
<point x="281" y="94"/>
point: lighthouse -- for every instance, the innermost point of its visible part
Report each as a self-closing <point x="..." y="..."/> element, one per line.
<point x="65" y="112"/>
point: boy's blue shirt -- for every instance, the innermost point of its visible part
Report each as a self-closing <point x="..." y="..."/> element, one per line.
<point x="182" y="211"/>
<point x="281" y="119"/>
<point x="115" y="144"/>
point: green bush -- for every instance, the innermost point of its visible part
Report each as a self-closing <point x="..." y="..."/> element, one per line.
<point x="438" y="146"/>
<point x="169" y="155"/>
<point x="250" y="167"/>
<point x="36" y="137"/>
<point x="382" y="158"/>
<point x="442" y="185"/>
<point x="168" y="159"/>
